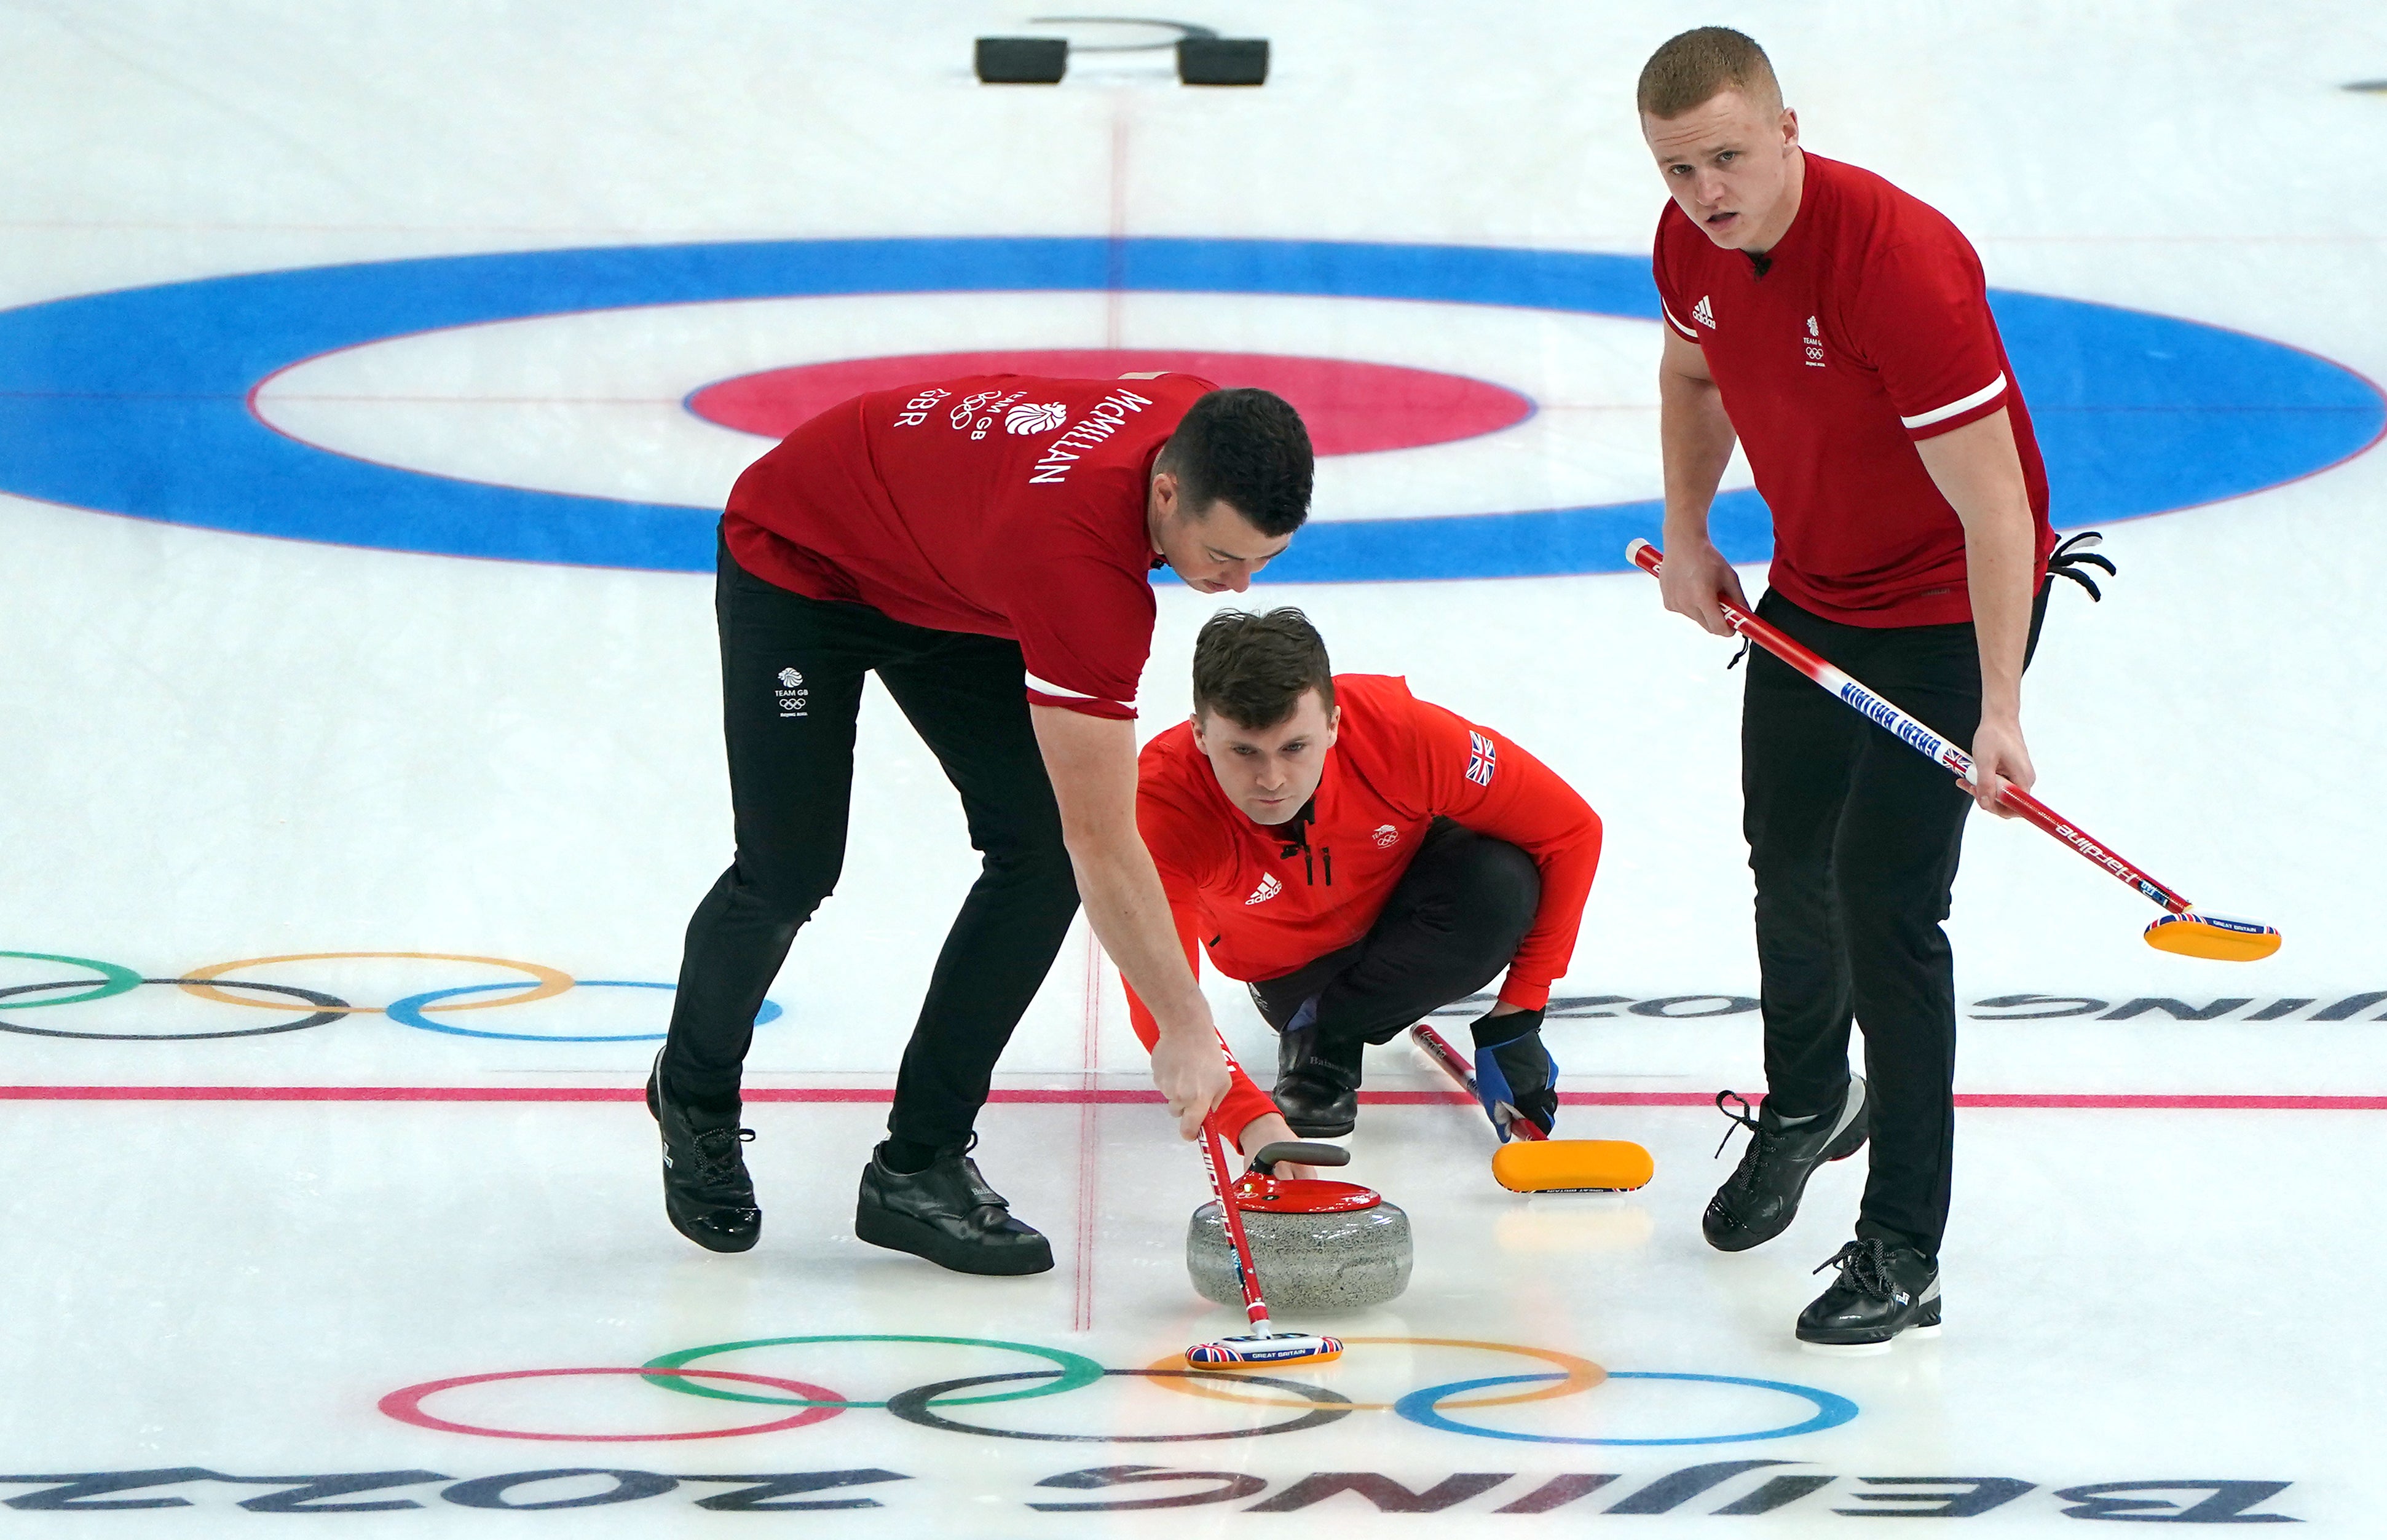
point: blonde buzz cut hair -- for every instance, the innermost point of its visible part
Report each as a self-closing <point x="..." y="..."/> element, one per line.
<point x="1692" y="68"/>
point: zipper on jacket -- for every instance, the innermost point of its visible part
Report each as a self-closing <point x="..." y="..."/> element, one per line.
<point x="1300" y="842"/>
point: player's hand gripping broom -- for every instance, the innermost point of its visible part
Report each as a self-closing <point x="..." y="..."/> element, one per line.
<point x="2183" y="928"/>
<point x="1529" y="1160"/>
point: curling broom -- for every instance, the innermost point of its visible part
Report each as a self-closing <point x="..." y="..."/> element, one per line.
<point x="2183" y="928"/>
<point x="1534" y="1162"/>
<point x="1265" y="1345"/>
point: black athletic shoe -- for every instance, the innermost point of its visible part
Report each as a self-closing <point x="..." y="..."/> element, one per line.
<point x="947" y="1214"/>
<point x="1760" y="1197"/>
<point x="1882" y="1289"/>
<point x="707" y="1193"/>
<point x="1317" y="1085"/>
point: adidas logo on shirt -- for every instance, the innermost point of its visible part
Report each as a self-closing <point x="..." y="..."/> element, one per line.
<point x="1269" y="886"/>
<point x="1701" y="313"/>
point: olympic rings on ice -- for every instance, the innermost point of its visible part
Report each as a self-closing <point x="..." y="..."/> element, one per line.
<point x="1314" y="1406"/>
<point x="410" y="1012"/>
<point x="912" y="1406"/>
<point x="112" y="980"/>
<point x="551" y="982"/>
<point x="328" y="1007"/>
<point x="407" y="1407"/>
<point x="211" y="983"/>
<point x="1581" y="1374"/>
<point x="1419" y="1406"/>
<point x="1076" y="1371"/>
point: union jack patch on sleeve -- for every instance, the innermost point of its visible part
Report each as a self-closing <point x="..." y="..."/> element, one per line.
<point x="1482" y="758"/>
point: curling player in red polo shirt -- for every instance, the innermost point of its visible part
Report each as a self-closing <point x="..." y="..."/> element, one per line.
<point x="1362" y="858"/>
<point x="1839" y="330"/>
<point x="985" y="545"/>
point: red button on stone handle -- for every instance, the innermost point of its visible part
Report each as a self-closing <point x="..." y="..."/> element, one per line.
<point x="1259" y="1195"/>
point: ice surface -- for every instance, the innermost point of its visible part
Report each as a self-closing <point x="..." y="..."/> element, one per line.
<point x="222" y="749"/>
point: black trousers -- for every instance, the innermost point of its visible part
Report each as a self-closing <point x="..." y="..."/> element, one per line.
<point x="791" y="675"/>
<point x="1853" y="837"/>
<point x="1453" y="922"/>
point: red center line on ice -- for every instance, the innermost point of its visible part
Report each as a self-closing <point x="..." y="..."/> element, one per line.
<point x="1090" y="1167"/>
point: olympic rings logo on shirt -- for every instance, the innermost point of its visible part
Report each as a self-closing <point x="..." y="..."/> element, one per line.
<point x="932" y="1404"/>
<point x="308" y="1008"/>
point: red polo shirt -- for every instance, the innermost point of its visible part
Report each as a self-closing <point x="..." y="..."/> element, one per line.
<point x="1866" y="330"/>
<point x="1264" y="906"/>
<point x="1002" y="504"/>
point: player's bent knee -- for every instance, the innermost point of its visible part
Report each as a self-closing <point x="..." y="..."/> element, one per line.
<point x="1023" y="842"/>
<point x="1502" y="891"/>
<point x="791" y="906"/>
<point x="1513" y="881"/>
<point x="1037" y="883"/>
<point x="787" y="896"/>
<point x="1040" y="864"/>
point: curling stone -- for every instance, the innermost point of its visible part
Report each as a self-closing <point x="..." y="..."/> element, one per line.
<point x="1317" y="1244"/>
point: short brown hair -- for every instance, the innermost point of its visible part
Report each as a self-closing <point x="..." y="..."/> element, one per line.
<point x="1692" y="68"/>
<point x="1252" y="669"/>
<point x="1248" y="446"/>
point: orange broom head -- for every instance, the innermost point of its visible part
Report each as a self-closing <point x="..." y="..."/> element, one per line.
<point x="1276" y="1349"/>
<point x="2220" y="937"/>
<point x="1572" y="1165"/>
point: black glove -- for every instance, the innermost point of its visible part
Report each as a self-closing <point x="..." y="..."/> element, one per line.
<point x="1513" y="1072"/>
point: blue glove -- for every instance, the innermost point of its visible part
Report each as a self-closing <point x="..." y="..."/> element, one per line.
<point x="1513" y="1072"/>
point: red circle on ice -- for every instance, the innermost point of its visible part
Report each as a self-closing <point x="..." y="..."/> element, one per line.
<point x="406" y="1405"/>
<point x="1350" y="407"/>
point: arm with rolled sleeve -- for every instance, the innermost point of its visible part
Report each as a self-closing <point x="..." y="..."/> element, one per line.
<point x="1695" y="441"/>
<point x="1922" y="317"/>
<point x="1085" y="627"/>
<point x="1085" y="630"/>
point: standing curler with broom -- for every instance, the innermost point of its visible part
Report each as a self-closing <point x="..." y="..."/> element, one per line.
<point x="1838" y="329"/>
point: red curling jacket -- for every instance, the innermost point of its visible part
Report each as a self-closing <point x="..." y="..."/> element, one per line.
<point x="1264" y="905"/>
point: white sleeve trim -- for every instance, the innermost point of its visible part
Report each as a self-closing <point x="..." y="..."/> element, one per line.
<point x="1045" y="686"/>
<point x="1678" y="324"/>
<point x="1940" y="414"/>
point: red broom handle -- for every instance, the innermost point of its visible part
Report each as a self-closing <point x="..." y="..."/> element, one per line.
<point x="1214" y="1158"/>
<point x="1921" y="739"/>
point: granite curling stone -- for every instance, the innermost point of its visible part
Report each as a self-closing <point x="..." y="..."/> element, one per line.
<point x="1317" y="1244"/>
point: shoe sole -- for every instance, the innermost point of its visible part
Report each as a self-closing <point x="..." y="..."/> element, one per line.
<point x="896" y="1233"/>
<point x="1321" y="1130"/>
<point x="712" y="1242"/>
<point x="1850" y="1141"/>
<point x="1926" y="1329"/>
<point x="1868" y="1349"/>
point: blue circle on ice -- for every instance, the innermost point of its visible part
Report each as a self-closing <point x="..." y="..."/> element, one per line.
<point x="1424" y="1407"/>
<point x="409" y="1012"/>
<point x="137" y="402"/>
